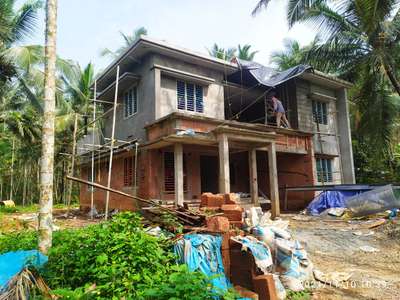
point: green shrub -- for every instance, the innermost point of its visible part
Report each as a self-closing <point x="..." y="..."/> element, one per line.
<point x="181" y="284"/>
<point x="25" y="240"/>
<point x="117" y="256"/>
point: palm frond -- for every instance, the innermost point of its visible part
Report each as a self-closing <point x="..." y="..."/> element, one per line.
<point x="24" y="23"/>
<point x="260" y="5"/>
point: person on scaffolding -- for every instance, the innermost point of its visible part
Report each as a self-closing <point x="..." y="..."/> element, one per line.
<point x="279" y="111"/>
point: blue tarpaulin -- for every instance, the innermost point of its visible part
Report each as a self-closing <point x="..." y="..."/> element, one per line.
<point x="329" y="199"/>
<point x="202" y="252"/>
<point x="11" y="263"/>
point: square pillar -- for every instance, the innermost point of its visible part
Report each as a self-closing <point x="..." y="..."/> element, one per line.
<point x="223" y="152"/>
<point x="253" y="176"/>
<point x="273" y="181"/>
<point x="178" y="175"/>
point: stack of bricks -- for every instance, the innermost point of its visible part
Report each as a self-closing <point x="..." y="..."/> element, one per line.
<point x="225" y="203"/>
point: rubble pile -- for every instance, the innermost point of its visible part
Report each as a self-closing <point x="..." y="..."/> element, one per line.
<point x="258" y="254"/>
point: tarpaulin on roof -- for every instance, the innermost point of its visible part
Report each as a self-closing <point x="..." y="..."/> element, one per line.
<point x="252" y="72"/>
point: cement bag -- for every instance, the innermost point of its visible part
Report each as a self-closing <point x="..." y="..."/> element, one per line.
<point x="280" y="289"/>
<point x="264" y="234"/>
<point x="372" y="202"/>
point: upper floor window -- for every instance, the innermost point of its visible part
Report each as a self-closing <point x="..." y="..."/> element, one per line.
<point x="130" y="102"/>
<point x="189" y="96"/>
<point x="320" y="112"/>
<point x="324" y="169"/>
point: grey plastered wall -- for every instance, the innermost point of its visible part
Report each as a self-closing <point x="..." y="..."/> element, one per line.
<point x="335" y="137"/>
<point x="133" y="126"/>
<point x="166" y="100"/>
<point x="346" y="149"/>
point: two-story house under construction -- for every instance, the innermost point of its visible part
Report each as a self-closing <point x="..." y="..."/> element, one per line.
<point x="203" y="125"/>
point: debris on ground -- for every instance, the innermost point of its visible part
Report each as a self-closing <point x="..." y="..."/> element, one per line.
<point x="335" y="279"/>
<point x="369" y="249"/>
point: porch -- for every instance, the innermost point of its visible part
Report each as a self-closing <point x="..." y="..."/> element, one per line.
<point x="196" y="155"/>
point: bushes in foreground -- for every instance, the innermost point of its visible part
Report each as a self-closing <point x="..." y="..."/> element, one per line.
<point x="113" y="260"/>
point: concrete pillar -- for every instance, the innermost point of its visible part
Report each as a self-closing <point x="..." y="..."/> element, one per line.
<point x="178" y="166"/>
<point x="344" y="131"/>
<point x="273" y="181"/>
<point x="224" y="180"/>
<point x="253" y="176"/>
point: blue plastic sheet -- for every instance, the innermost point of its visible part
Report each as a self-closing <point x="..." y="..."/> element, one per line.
<point x="329" y="199"/>
<point x="11" y="263"/>
<point x="202" y="252"/>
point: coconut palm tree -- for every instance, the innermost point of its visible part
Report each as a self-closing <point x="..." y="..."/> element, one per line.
<point x="245" y="53"/>
<point x="128" y="41"/>
<point x="47" y="160"/>
<point x="221" y="53"/>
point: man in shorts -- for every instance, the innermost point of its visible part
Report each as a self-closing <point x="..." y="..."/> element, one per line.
<point x="280" y="112"/>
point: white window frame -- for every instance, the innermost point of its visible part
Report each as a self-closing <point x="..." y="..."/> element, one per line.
<point x="133" y="87"/>
<point x="195" y="97"/>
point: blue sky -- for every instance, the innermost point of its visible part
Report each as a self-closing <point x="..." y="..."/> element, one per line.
<point x="85" y="27"/>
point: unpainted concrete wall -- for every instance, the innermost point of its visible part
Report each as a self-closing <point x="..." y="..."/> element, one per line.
<point x="213" y="93"/>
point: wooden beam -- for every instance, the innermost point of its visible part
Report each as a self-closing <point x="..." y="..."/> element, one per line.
<point x="253" y="176"/>
<point x="178" y="161"/>
<point x="223" y="151"/>
<point x="273" y="181"/>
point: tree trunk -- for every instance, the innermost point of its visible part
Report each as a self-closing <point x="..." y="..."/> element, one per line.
<point x="392" y="77"/>
<point x="47" y="160"/>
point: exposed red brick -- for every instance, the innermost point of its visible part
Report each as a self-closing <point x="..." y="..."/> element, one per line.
<point x="226" y="261"/>
<point x="230" y="198"/>
<point x="264" y="286"/>
<point x="212" y="200"/>
<point x="218" y="224"/>
<point x="232" y="211"/>
<point x="245" y="293"/>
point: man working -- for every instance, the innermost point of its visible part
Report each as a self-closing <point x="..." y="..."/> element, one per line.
<point x="279" y="111"/>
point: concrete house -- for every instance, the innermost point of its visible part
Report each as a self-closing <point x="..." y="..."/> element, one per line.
<point x="201" y="124"/>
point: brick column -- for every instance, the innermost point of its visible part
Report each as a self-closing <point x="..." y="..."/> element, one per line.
<point x="253" y="176"/>
<point x="273" y="181"/>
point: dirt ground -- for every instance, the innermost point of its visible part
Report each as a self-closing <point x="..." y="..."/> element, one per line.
<point x="13" y="222"/>
<point x="334" y="245"/>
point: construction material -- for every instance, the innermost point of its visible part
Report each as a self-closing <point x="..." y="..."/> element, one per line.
<point x="202" y="252"/>
<point x="110" y="161"/>
<point x="185" y="216"/>
<point x="372" y="202"/>
<point x="93" y="141"/>
<point x="11" y="263"/>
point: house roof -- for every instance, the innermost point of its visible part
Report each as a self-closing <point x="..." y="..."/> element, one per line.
<point x="145" y="45"/>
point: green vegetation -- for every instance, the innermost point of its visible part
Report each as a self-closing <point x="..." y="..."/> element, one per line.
<point x="119" y="258"/>
<point x="357" y="41"/>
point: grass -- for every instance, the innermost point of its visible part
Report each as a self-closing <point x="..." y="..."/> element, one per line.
<point x="32" y="208"/>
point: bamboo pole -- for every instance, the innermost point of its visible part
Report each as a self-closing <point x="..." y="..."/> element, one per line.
<point x="24" y="188"/>
<point x="12" y="170"/>
<point x="179" y="214"/>
<point x="93" y="133"/>
<point x="112" y="143"/>
<point x="72" y="161"/>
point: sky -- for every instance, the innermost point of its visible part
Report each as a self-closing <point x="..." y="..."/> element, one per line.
<point x="87" y="26"/>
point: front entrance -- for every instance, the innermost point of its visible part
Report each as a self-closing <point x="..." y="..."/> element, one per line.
<point x="209" y="173"/>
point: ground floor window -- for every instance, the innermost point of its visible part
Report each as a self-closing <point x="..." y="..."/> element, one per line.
<point x="324" y="169"/>
<point x="128" y="171"/>
<point x="169" y="172"/>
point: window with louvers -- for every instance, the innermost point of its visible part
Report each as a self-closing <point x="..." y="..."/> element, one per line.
<point x="169" y="172"/>
<point x="324" y="170"/>
<point x="130" y="102"/>
<point x="320" y="112"/>
<point x="189" y="96"/>
<point x="128" y="171"/>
